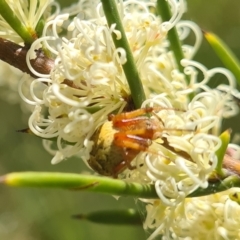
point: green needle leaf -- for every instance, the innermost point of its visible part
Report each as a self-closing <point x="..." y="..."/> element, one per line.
<point x="225" y="54"/>
<point x="116" y="217"/>
<point x="79" y="182"/>
<point x="129" y="68"/>
<point x="15" y="23"/>
<point x="225" y="138"/>
<point x="39" y="27"/>
<point x="222" y="185"/>
<point x="175" y="45"/>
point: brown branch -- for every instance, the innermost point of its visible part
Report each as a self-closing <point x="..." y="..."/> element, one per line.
<point x="15" y="55"/>
<point x="231" y="164"/>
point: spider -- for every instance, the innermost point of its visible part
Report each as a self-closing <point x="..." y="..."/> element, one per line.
<point x="118" y="141"/>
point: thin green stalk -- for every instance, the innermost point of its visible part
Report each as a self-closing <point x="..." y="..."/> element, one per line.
<point x="15" y="23"/>
<point x="175" y="45"/>
<point x="225" y="54"/>
<point x="79" y="182"/>
<point x="129" y="68"/>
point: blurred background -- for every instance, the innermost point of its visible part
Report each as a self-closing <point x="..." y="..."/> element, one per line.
<point x="36" y="214"/>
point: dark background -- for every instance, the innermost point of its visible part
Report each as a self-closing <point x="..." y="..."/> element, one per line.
<point x="37" y="214"/>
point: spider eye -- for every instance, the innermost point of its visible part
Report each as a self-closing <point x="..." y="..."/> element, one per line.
<point x="110" y="117"/>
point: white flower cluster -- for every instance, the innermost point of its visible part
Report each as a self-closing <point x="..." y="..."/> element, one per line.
<point x="87" y="84"/>
<point x="29" y="13"/>
<point x="211" y="217"/>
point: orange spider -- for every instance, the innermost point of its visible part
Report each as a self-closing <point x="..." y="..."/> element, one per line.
<point x="117" y="142"/>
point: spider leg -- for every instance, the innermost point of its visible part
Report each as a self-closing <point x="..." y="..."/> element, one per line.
<point x="136" y="113"/>
<point x="129" y="115"/>
<point x="131" y="145"/>
<point x="126" y="163"/>
<point x="137" y="121"/>
<point x="131" y="141"/>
